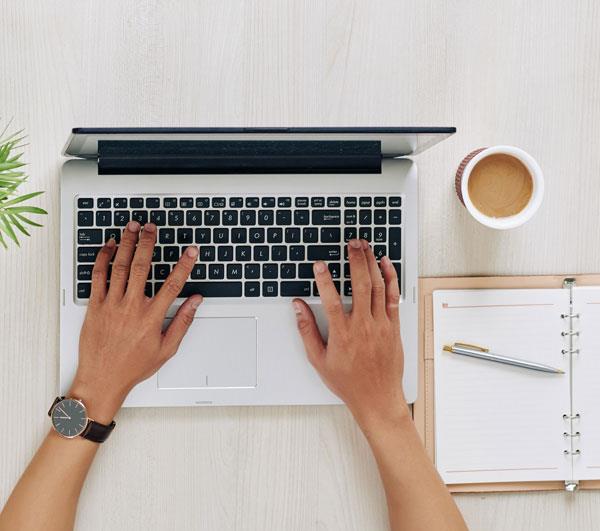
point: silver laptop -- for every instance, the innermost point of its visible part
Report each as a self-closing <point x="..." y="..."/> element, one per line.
<point x="262" y="205"/>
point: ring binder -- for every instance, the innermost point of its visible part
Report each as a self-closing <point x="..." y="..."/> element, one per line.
<point x="572" y="452"/>
<point x="570" y="333"/>
<point x="576" y="416"/>
<point x="569" y="316"/>
<point x="570" y="351"/>
<point x="576" y="434"/>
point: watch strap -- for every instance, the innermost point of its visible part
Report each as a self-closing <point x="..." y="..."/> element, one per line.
<point x="56" y="401"/>
<point x="96" y="432"/>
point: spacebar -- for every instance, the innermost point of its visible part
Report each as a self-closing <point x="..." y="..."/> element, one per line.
<point x="212" y="289"/>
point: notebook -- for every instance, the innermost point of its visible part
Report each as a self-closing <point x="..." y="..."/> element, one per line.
<point x="499" y="424"/>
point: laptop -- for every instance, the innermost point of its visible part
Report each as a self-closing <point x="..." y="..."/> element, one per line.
<point x="262" y="205"/>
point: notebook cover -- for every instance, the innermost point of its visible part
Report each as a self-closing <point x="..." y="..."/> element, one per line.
<point x="423" y="408"/>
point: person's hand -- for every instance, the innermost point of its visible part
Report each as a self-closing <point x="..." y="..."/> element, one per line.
<point x="122" y="342"/>
<point x="362" y="361"/>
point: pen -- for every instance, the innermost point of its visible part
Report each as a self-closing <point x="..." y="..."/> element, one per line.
<point x="474" y="351"/>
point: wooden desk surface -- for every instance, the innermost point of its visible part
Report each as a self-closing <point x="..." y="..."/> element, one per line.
<point x="522" y="73"/>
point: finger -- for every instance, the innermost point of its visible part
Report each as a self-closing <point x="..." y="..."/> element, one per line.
<point x="180" y="324"/>
<point x="330" y="298"/>
<point x="360" y="277"/>
<point x="142" y="260"/>
<point x="377" y="285"/>
<point x="122" y="263"/>
<point x="309" y="332"/>
<point x="176" y="280"/>
<point x="392" y="290"/>
<point x="100" y="271"/>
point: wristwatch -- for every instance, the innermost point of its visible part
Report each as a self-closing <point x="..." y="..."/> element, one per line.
<point x="70" y="419"/>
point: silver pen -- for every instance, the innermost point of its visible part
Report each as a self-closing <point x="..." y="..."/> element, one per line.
<point x="475" y="351"/>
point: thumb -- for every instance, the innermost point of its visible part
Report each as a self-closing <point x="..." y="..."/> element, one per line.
<point x="309" y="332"/>
<point x="180" y="325"/>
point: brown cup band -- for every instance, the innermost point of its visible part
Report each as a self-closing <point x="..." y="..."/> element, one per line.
<point x="460" y="171"/>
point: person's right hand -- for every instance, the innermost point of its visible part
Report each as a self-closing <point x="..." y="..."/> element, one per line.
<point x="362" y="361"/>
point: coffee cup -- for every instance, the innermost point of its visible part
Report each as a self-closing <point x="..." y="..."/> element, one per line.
<point x="502" y="187"/>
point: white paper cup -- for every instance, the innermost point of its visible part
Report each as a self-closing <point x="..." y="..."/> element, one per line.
<point x="509" y="222"/>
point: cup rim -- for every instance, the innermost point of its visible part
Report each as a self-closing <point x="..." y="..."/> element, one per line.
<point x="508" y="222"/>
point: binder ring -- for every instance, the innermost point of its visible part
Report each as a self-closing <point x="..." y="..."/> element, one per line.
<point x="569" y="452"/>
<point x="569" y="316"/>
<point x="570" y="333"/>
<point x="572" y="435"/>
<point x="571" y="417"/>
<point x="570" y="351"/>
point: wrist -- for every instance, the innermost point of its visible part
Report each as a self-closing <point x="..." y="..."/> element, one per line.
<point x="382" y="422"/>
<point x="101" y="405"/>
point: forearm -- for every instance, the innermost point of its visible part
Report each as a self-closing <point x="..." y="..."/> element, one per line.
<point x="416" y="496"/>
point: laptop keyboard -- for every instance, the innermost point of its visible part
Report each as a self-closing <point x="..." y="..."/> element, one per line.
<point x="250" y="246"/>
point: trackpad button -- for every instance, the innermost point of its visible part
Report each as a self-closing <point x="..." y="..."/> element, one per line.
<point x="216" y="352"/>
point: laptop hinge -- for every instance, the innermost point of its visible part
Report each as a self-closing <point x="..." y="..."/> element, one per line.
<point x="238" y="156"/>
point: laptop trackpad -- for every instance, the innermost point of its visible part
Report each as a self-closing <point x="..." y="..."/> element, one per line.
<point x="216" y="352"/>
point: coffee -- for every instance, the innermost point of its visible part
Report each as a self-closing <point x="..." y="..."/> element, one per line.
<point x="500" y="186"/>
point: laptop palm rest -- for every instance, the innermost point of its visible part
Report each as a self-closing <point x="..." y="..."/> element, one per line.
<point x="217" y="352"/>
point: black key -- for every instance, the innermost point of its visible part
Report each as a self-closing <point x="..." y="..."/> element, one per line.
<point x="395" y="217"/>
<point x="305" y="271"/>
<point x="269" y="271"/>
<point x="247" y="217"/>
<point x="347" y="288"/>
<point x="87" y="254"/>
<point x="185" y="236"/>
<point x="218" y="202"/>
<point x="398" y="268"/>
<point x="120" y="202"/>
<point x="243" y="253"/>
<point x="121" y="218"/>
<point x="301" y="202"/>
<point x="252" y="289"/>
<point x="292" y="235"/>
<point x="236" y="202"/>
<point x="301" y="217"/>
<point x="296" y="288"/>
<point x="395" y="201"/>
<point x="350" y="202"/>
<point x="336" y="284"/>
<point x="157" y="254"/>
<point x="364" y="202"/>
<point x="283" y="217"/>
<point x="274" y="235"/>
<point x="84" y="272"/>
<point x="202" y="202"/>
<point x="330" y="235"/>
<point x="115" y="234"/>
<point x="212" y="289"/>
<point x="297" y="253"/>
<point x="207" y="253"/>
<point x="239" y="235"/>
<point x="234" y="271"/>
<point x="166" y="235"/>
<point x="266" y="217"/>
<point x="251" y="271"/>
<point x="269" y="289"/>
<point x="136" y="202"/>
<point x="350" y="217"/>
<point x="257" y="235"/>
<point x="317" y="202"/>
<point x="379" y="201"/>
<point x="349" y="233"/>
<point x="278" y="253"/>
<point x="216" y="271"/>
<point x="284" y="202"/>
<point x="346" y="270"/>
<point x="85" y="202"/>
<point x="287" y="270"/>
<point x="203" y="236"/>
<point x="158" y="217"/>
<point x="171" y="253"/>
<point x="148" y="289"/>
<point x="252" y="202"/>
<point x="175" y="218"/>
<point x="380" y="217"/>
<point x="225" y="253"/>
<point x="334" y="269"/>
<point x="395" y="243"/>
<point x="268" y="202"/>
<point x="212" y="218"/>
<point x="199" y="272"/>
<point x="161" y="271"/>
<point x="379" y="251"/>
<point x="365" y="217"/>
<point x="170" y="202"/>
<point x="141" y="216"/>
<point x="152" y="202"/>
<point x="230" y="217"/>
<point x="193" y="217"/>
<point x="364" y="233"/>
<point x="334" y="202"/>
<point x="89" y="236"/>
<point x="379" y="234"/>
<point x="261" y="253"/>
<point x="326" y="217"/>
<point x="83" y="290"/>
<point x="103" y="218"/>
<point x="221" y="235"/>
<point x="323" y="252"/>
<point x="186" y="202"/>
<point x="104" y="202"/>
<point x="310" y="235"/>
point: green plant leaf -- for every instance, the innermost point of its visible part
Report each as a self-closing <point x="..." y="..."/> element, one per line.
<point x="2" y="241"/>
<point x="26" y="209"/>
<point x="5" y="226"/>
<point x="27" y="220"/>
<point x="15" y="221"/>
<point x="20" y="199"/>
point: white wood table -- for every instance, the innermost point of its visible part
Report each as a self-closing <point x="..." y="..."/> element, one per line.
<point x="522" y="73"/>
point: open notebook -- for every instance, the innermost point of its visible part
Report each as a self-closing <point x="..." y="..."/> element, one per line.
<point x="499" y="423"/>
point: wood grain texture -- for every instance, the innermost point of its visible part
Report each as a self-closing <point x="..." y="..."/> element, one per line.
<point x="522" y="73"/>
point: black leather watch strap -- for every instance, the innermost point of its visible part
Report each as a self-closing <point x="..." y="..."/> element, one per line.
<point x="96" y="432"/>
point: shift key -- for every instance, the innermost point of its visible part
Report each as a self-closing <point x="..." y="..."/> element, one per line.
<point x="323" y="252"/>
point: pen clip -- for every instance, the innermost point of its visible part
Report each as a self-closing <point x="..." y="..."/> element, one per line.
<point x="471" y="346"/>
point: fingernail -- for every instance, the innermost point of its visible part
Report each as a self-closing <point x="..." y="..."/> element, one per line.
<point x="111" y="242"/>
<point x="365" y="244"/>
<point x="297" y="307"/>
<point x="355" y="243"/>
<point x="197" y="301"/>
<point x="320" y="267"/>
<point x="133" y="226"/>
<point x="150" y="227"/>
<point x="385" y="261"/>
<point x="192" y="252"/>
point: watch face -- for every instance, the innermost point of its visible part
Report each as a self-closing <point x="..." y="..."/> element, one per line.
<point x="69" y="417"/>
